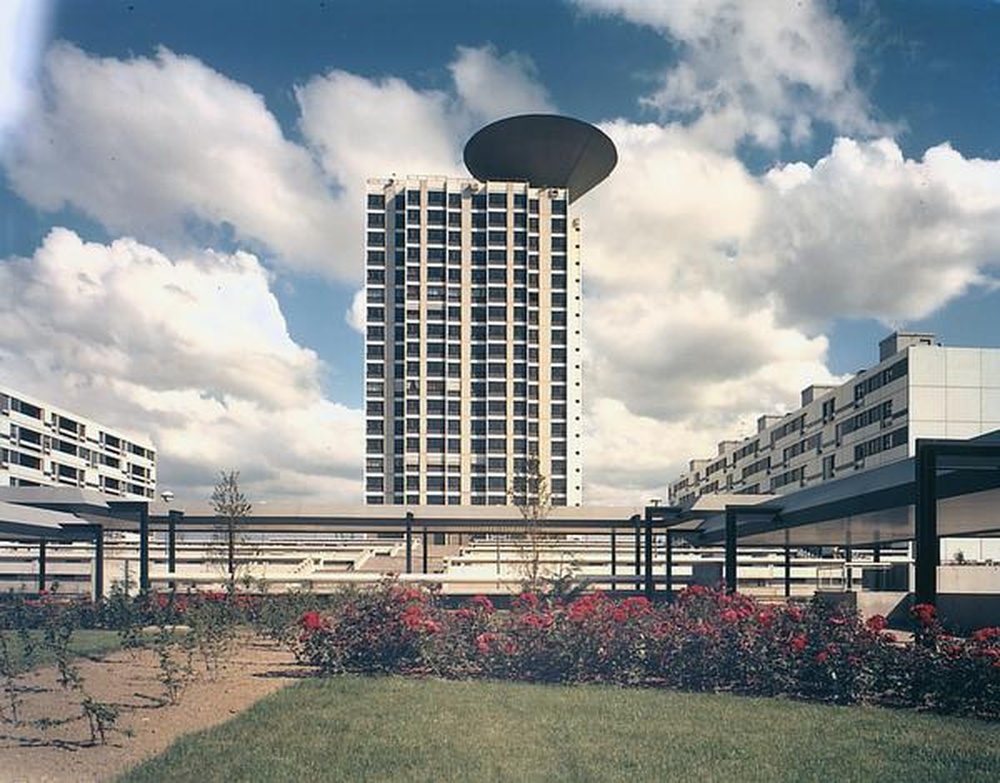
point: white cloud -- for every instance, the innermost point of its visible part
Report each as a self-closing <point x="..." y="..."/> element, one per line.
<point x="149" y="145"/>
<point x="763" y="72"/>
<point x="170" y="151"/>
<point x="379" y="127"/>
<point x="706" y="286"/>
<point x="357" y="316"/>
<point x="670" y="209"/>
<point x="192" y="351"/>
<point x="491" y="85"/>
<point x="867" y="233"/>
<point x="365" y="128"/>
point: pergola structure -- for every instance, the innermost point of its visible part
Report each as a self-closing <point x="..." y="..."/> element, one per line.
<point x="950" y="488"/>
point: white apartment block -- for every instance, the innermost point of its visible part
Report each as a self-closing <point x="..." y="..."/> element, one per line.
<point x="919" y="389"/>
<point x="45" y="446"/>
<point x="473" y="358"/>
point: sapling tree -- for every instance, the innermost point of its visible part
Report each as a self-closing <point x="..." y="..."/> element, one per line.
<point x="533" y="499"/>
<point x="231" y="509"/>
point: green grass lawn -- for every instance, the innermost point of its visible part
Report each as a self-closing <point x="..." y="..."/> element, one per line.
<point x="83" y="642"/>
<point x="382" y="729"/>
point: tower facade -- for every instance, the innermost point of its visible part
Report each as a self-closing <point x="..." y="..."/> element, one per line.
<point x="473" y="373"/>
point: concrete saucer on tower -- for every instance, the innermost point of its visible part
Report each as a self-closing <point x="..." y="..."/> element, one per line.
<point x="545" y="150"/>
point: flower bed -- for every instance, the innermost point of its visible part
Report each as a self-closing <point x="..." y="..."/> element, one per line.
<point x="705" y="640"/>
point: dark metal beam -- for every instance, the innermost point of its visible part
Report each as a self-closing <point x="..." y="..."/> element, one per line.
<point x="423" y="549"/>
<point x="144" y="547"/>
<point x="648" y="553"/>
<point x="41" y="564"/>
<point x="927" y="546"/>
<point x="614" y="559"/>
<point x="668" y="553"/>
<point x="173" y="517"/>
<point x="409" y="542"/>
<point x="730" y="566"/>
<point x="98" y="533"/>
<point x="638" y="548"/>
<point x="788" y="571"/>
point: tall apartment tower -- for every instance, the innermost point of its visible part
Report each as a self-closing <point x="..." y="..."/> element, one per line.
<point x="473" y="285"/>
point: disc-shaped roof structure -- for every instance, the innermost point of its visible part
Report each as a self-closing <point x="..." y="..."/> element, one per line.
<point x="546" y="150"/>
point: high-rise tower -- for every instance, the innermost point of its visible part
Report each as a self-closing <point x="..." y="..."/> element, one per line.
<point x="473" y="286"/>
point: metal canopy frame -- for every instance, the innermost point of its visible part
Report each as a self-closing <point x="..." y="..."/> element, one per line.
<point x="945" y="480"/>
<point x="958" y="480"/>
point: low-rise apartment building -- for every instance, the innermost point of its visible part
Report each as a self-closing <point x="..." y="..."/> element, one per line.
<point x="919" y="389"/>
<point x="42" y="445"/>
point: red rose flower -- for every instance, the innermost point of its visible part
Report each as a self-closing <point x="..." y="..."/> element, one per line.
<point x="483" y="603"/>
<point x="925" y="614"/>
<point x="483" y="642"/>
<point x="876" y="623"/>
<point x="311" y="621"/>
<point x="986" y="634"/>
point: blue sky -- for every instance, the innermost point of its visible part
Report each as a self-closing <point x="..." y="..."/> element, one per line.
<point x="180" y="235"/>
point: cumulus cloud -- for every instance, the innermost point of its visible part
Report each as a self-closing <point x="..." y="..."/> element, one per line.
<point x="698" y="358"/>
<point x="708" y="288"/>
<point x="490" y="85"/>
<point x="865" y="232"/>
<point x="363" y="128"/>
<point x="762" y="72"/>
<point x="168" y="150"/>
<point x="194" y="352"/>
<point x="149" y="146"/>
<point x="670" y="209"/>
<point x="628" y="455"/>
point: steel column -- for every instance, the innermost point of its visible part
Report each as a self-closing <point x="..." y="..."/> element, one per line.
<point x="614" y="558"/>
<point x="668" y="554"/>
<point x="409" y="542"/>
<point x="648" y="553"/>
<point x="423" y="546"/>
<point x="144" y="547"/>
<point x="41" y="564"/>
<point x="730" y="566"/>
<point x="788" y="571"/>
<point x="638" y="552"/>
<point x="173" y="517"/>
<point x="98" y="533"/>
<point x="927" y="553"/>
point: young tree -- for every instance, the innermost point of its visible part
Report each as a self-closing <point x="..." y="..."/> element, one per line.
<point x="231" y="507"/>
<point x="533" y="499"/>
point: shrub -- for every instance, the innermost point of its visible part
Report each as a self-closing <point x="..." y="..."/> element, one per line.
<point x="705" y="640"/>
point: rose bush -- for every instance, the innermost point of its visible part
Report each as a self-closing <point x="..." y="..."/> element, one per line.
<point x="706" y="640"/>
